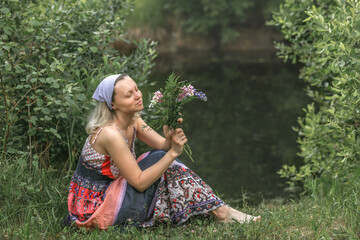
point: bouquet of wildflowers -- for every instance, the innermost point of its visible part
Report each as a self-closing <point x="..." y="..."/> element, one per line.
<point x="168" y="103"/>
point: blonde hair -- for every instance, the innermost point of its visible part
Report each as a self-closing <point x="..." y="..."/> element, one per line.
<point x="100" y="116"/>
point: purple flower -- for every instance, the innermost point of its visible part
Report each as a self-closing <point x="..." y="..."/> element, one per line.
<point x="201" y="96"/>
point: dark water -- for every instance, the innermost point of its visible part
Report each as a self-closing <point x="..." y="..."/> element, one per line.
<point x="243" y="134"/>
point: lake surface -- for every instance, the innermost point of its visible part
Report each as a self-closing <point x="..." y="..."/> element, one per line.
<point x="243" y="134"/>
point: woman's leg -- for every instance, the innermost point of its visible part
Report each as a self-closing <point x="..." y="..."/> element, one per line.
<point x="182" y="194"/>
<point x="228" y="214"/>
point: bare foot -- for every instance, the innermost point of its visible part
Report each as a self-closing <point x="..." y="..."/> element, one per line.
<point x="226" y="214"/>
<point x="222" y="214"/>
<point x="242" y="217"/>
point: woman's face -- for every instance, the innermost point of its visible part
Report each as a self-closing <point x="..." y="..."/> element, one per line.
<point x="127" y="97"/>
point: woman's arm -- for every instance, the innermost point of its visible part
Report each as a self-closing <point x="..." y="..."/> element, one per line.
<point x="151" y="137"/>
<point x="113" y="142"/>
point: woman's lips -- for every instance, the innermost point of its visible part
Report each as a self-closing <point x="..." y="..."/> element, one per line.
<point x="139" y="103"/>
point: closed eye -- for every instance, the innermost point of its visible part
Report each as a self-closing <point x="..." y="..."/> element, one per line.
<point x="129" y="93"/>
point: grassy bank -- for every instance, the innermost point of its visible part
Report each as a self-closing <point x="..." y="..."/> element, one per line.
<point x="34" y="206"/>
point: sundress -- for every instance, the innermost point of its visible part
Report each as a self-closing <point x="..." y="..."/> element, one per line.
<point x="100" y="197"/>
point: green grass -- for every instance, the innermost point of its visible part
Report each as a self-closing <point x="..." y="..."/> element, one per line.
<point x="33" y="206"/>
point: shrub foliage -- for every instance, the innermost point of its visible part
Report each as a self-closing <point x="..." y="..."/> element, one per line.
<point x="52" y="55"/>
<point x="324" y="37"/>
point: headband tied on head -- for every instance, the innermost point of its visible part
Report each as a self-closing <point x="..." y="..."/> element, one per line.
<point x="105" y="89"/>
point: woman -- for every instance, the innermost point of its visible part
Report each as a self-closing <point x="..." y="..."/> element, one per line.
<point x="110" y="187"/>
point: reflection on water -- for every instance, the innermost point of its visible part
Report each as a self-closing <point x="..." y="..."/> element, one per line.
<point x="243" y="134"/>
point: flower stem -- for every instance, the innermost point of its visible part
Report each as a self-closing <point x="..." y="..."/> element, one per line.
<point x="188" y="151"/>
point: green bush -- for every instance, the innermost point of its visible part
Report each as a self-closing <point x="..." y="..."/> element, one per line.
<point x="324" y="37"/>
<point x="52" y="55"/>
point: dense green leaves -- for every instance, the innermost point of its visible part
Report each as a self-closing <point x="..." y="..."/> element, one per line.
<point x="324" y="37"/>
<point x="52" y="55"/>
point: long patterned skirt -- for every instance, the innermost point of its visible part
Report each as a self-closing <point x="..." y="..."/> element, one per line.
<point x="176" y="196"/>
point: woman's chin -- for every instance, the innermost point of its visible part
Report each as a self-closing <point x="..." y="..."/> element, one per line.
<point x="140" y="108"/>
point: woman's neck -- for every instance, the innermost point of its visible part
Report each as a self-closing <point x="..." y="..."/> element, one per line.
<point x="123" y="121"/>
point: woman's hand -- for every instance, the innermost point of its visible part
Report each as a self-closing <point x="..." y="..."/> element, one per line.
<point x="178" y="140"/>
<point x="167" y="132"/>
<point x="168" y="135"/>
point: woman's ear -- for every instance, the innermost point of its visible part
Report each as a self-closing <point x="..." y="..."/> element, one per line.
<point x="113" y="106"/>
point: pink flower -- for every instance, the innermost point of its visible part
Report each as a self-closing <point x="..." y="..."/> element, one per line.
<point x="157" y="98"/>
<point x="192" y="231"/>
<point x="187" y="91"/>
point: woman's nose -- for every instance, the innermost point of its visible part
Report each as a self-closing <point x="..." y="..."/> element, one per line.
<point x="138" y="94"/>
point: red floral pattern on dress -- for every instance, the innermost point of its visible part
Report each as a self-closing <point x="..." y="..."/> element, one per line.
<point x="182" y="194"/>
<point x="85" y="197"/>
